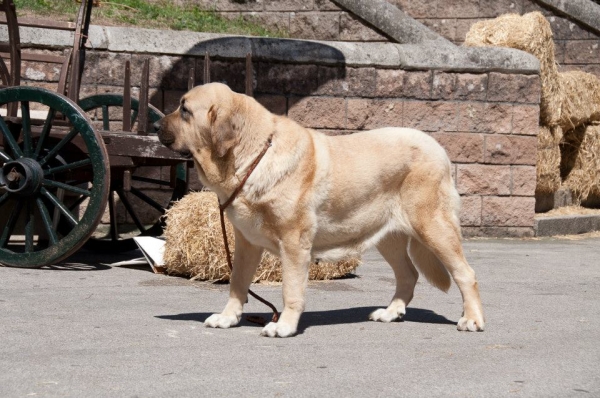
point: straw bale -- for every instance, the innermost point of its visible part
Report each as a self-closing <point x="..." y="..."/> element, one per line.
<point x="581" y="98"/>
<point x="194" y="245"/>
<point x="580" y="165"/>
<point x="531" y="33"/>
<point x="548" y="159"/>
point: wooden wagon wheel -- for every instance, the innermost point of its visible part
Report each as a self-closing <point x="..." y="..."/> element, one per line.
<point x="54" y="171"/>
<point x="139" y="194"/>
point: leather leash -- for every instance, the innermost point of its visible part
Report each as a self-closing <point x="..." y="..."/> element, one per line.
<point x="222" y="207"/>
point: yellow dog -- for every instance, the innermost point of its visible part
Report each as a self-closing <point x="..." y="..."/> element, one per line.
<point x="314" y="196"/>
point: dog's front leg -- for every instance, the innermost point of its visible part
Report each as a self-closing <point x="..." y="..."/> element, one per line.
<point x="246" y="260"/>
<point x="295" y="261"/>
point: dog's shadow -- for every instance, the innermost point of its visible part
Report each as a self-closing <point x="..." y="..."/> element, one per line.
<point x="329" y="317"/>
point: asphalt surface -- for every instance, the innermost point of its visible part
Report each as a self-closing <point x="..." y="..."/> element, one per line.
<point x="84" y="329"/>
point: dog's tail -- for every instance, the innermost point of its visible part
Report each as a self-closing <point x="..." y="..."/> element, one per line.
<point x="429" y="265"/>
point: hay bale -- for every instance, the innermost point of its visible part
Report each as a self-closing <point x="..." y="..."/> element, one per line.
<point x="581" y="99"/>
<point x="580" y="165"/>
<point x="548" y="160"/>
<point x="531" y="33"/>
<point x="194" y="245"/>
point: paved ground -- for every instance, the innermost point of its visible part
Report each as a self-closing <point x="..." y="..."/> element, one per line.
<point x="84" y="329"/>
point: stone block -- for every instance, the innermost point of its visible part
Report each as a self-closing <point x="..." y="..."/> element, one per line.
<point x="526" y="119"/>
<point x="167" y="72"/>
<point x="508" y="211"/>
<point x="477" y="179"/>
<point x="514" y="88"/>
<point x="444" y="27"/>
<point x="237" y="5"/>
<point x="417" y="8"/>
<point x="462" y="147"/>
<point x="469" y="86"/>
<point x="582" y="51"/>
<point x="389" y="83"/>
<point x="110" y="67"/>
<point x="470" y="210"/>
<point x="287" y="79"/>
<point x="563" y="29"/>
<point x="459" y="86"/>
<point x="480" y="117"/>
<point x="318" y="112"/>
<point x="524" y="180"/>
<point x="495" y="8"/>
<point x="353" y="29"/>
<point x="233" y="74"/>
<point x="417" y="84"/>
<point x="171" y="99"/>
<point x="277" y="21"/>
<point x="276" y="104"/>
<point x="326" y="5"/>
<point x="289" y="5"/>
<point x="431" y="115"/>
<point x="510" y="149"/>
<point x="347" y="81"/>
<point x="365" y="114"/>
<point x="462" y="27"/>
<point x="315" y="25"/>
<point x="459" y="9"/>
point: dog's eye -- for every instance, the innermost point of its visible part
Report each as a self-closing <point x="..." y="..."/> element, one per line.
<point x="184" y="111"/>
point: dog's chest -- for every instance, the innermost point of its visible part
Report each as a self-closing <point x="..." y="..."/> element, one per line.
<point x="254" y="226"/>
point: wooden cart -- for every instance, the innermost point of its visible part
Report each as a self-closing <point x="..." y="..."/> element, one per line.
<point x="68" y="176"/>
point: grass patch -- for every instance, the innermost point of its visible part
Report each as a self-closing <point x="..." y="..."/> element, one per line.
<point x="160" y="14"/>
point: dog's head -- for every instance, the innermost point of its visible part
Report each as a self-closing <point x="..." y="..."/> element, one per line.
<point x="204" y="121"/>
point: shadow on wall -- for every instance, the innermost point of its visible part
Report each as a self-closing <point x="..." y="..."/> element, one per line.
<point x="283" y="69"/>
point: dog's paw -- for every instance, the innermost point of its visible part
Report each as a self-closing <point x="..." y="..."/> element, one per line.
<point x="221" y="321"/>
<point x="470" y="325"/>
<point x="385" y="315"/>
<point x="278" y="329"/>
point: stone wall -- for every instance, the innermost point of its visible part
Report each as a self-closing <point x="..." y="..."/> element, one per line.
<point x="577" y="46"/>
<point x="485" y="113"/>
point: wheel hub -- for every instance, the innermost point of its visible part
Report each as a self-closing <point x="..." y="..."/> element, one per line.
<point x="22" y="176"/>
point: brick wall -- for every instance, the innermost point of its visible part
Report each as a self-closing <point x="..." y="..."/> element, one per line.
<point x="577" y="46"/>
<point x="486" y="121"/>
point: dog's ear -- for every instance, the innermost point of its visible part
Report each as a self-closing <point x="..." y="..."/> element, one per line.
<point x="221" y="131"/>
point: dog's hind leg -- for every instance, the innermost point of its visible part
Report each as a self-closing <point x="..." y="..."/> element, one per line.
<point x="394" y="248"/>
<point x="245" y="262"/>
<point x="441" y="235"/>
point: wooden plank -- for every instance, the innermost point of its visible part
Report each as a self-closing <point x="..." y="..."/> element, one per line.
<point x="42" y="23"/>
<point x="144" y="146"/>
<point x="49" y="58"/>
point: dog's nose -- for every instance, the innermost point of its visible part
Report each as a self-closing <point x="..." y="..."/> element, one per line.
<point x="157" y="125"/>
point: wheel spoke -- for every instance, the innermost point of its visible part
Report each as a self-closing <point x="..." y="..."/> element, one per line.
<point x="29" y="227"/>
<point x="5" y="157"/>
<point x="66" y="139"/>
<point x="134" y="115"/>
<point x="26" y="120"/>
<point x="151" y="180"/>
<point x="77" y="202"/>
<point x="45" y="131"/>
<point x="130" y="210"/>
<point x="3" y="198"/>
<point x="62" y="208"/>
<point x="105" y="118"/>
<point x="10" y="225"/>
<point x="67" y="187"/>
<point x="47" y="221"/>
<point x="114" y="233"/>
<point x="148" y="199"/>
<point x="70" y="166"/>
<point x="10" y="140"/>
